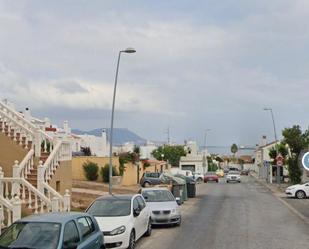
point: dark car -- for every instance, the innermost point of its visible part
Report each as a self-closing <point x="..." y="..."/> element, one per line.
<point x="150" y="178"/>
<point x="54" y="231"/>
<point x="244" y="172"/>
<point x="211" y="177"/>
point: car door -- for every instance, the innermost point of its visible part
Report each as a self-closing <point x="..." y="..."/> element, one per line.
<point x="144" y="214"/>
<point x="90" y="239"/>
<point x="137" y="219"/>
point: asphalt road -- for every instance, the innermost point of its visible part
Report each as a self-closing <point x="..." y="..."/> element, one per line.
<point x="232" y="216"/>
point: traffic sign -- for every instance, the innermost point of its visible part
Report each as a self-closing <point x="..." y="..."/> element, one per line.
<point x="279" y="160"/>
<point x="305" y="161"/>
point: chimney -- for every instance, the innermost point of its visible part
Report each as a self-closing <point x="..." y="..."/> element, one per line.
<point x="28" y="114"/>
<point x="263" y="141"/>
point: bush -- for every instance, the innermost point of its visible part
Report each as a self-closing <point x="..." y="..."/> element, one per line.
<point x="91" y="171"/>
<point x="104" y="172"/>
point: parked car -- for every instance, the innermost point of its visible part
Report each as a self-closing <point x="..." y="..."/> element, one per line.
<point x="220" y="172"/>
<point x="150" y="178"/>
<point x="198" y="177"/>
<point x="54" y="231"/>
<point x="211" y="177"/>
<point x="299" y="191"/>
<point x="163" y="206"/>
<point x="123" y="219"/>
<point x="233" y="176"/>
<point x="233" y="169"/>
<point x="244" y="172"/>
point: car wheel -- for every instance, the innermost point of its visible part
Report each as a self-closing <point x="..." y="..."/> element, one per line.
<point x="227" y="181"/>
<point x="149" y="228"/>
<point x="146" y="184"/>
<point x="217" y="181"/>
<point x="300" y="194"/>
<point x="132" y="240"/>
<point x="199" y="180"/>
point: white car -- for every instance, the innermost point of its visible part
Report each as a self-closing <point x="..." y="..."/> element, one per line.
<point x="163" y="205"/>
<point x="198" y="177"/>
<point x="233" y="176"/>
<point x="299" y="191"/>
<point x="123" y="219"/>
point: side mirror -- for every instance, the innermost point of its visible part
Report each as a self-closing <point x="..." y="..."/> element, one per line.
<point x="136" y="212"/>
<point x="178" y="200"/>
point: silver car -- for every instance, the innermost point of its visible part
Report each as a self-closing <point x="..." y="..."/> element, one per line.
<point x="163" y="205"/>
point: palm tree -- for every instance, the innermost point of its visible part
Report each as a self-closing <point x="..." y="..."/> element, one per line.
<point x="234" y="149"/>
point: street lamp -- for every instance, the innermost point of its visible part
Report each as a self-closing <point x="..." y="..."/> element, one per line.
<point x="275" y="132"/>
<point x="128" y="51"/>
<point x="205" y="162"/>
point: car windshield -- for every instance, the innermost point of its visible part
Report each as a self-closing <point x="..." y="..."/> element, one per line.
<point x="158" y="196"/>
<point x="211" y="173"/>
<point x="233" y="173"/>
<point x="110" y="207"/>
<point x="31" y="235"/>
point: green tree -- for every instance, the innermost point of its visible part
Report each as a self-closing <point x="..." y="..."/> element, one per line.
<point x="91" y="170"/>
<point x="104" y="172"/>
<point x="297" y="141"/>
<point x="172" y="153"/>
<point x="281" y="148"/>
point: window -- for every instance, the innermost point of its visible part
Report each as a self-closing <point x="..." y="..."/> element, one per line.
<point x="84" y="226"/>
<point x="70" y="234"/>
<point x="135" y="204"/>
<point x="90" y="222"/>
<point x="141" y="203"/>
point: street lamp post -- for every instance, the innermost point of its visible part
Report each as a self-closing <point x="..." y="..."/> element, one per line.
<point x="129" y="51"/>
<point x="275" y="132"/>
<point x="205" y="162"/>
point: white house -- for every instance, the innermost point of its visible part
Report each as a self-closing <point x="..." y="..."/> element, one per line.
<point x="194" y="161"/>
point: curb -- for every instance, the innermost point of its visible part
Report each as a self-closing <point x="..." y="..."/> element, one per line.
<point x="289" y="206"/>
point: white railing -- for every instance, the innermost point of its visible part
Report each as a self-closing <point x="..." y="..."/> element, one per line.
<point x="10" y="211"/>
<point x="24" y="129"/>
<point x="59" y="202"/>
<point x="26" y="165"/>
<point x="11" y="187"/>
<point x="61" y="152"/>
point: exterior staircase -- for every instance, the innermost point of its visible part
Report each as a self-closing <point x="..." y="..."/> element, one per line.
<point x="29" y="188"/>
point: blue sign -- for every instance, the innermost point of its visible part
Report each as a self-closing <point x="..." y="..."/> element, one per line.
<point x="305" y="161"/>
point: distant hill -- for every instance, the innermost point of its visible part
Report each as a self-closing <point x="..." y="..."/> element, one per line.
<point x="121" y="135"/>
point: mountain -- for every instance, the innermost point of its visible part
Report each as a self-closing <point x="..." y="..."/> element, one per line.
<point x="120" y="135"/>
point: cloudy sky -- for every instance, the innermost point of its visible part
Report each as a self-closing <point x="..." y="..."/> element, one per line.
<point x="199" y="64"/>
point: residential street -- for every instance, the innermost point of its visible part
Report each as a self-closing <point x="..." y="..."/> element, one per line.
<point x="228" y="216"/>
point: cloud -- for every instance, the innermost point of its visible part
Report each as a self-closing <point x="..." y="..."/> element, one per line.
<point x="193" y="61"/>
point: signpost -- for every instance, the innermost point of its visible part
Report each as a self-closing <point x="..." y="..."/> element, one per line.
<point x="305" y="161"/>
<point x="279" y="160"/>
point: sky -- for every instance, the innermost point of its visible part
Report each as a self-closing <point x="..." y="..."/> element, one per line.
<point x="199" y="65"/>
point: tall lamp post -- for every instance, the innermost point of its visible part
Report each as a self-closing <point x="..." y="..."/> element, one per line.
<point x="205" y="162"/>
<point x="276" y="140"/>
<point x="128" y="51"/>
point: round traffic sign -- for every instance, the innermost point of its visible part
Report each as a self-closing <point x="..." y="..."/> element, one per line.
<point x="305" y="161"/>
<point x="279" y="160"/>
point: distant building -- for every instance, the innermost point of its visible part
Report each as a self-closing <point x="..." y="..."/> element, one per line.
<point x="194" y="161"/>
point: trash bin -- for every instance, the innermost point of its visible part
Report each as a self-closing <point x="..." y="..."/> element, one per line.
<point x="190" y="185"/>
<point x="183" y="187"/>
<point x="179" y="188"/>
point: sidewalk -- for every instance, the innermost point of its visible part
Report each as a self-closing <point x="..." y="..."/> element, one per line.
<point x="299" y="207"/>
<point x="85" y="192"/>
